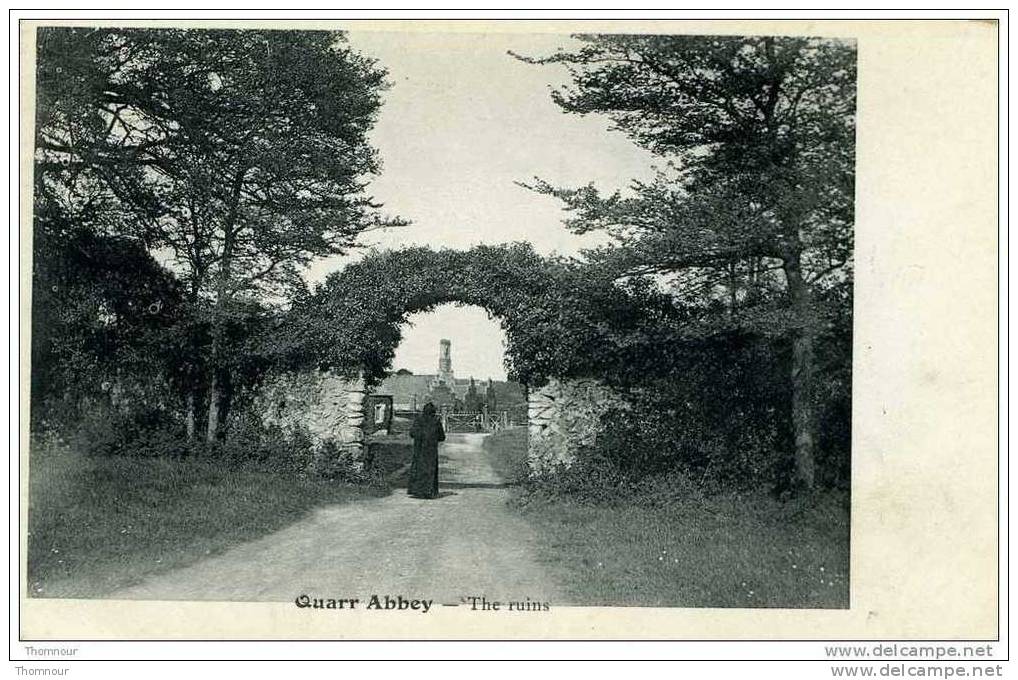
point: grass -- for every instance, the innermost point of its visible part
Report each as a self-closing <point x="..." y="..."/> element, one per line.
<point x="99" y="524"/>
<point x="508" y="453"/>
<point x="687" y="550"/>
<point x="389" y="453"/>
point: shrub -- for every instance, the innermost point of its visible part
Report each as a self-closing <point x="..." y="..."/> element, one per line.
<point x="596" y="480"/>
<point x="147" y="432"/>
<point x="718" y="416"/>
<point x="251" y="443"/>
<point x="332" y="461"/>
<point x="294" y="450"/>
<point x="589" y="479"/>
<point x="660" y="433"/>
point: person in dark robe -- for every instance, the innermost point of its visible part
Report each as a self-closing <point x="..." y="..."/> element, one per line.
<point x="426" y="432"/>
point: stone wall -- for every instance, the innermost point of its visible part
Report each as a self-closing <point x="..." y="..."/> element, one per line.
<point x="328" y="407"/>
<point x="564" y="417"/>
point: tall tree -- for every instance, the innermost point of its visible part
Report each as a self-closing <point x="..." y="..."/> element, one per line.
<point x="756" y="199"/>
<point x="239" y="155"/>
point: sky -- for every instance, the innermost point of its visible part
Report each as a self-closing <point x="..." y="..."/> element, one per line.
<point x="462" y="123"/>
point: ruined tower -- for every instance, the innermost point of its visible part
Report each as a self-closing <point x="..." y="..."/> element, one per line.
<point x="445" y="361"/>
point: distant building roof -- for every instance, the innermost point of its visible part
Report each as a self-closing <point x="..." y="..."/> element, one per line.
<point x="407" y="390"/>
<point x="413" y="391"/>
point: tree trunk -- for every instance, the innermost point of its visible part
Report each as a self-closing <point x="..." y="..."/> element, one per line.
<point x="216" y="419"/>
<point x="216" y="362"/>
<point x="802" y="375"/>
<point x="733" y="289"/>
<point x="225" y="387"/>
<point x="212" y="429"/>
<point x="191" y="417"/>
<point x="220" y="393"/>
<point x="216" y="383"/>
<point x="193" y="400"/>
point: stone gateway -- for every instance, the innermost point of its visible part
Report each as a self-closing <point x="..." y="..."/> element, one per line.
<point x="564" y="416"/>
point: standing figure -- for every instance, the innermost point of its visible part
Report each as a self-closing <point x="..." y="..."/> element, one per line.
<point x="426" y="432"/>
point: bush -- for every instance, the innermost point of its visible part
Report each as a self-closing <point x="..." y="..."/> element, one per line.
<point x="587" y="480"/>
<point x="661" y="432"/>
<point x="295" y="451"/>
<point x="153" y="433"/>
<point x="719" y="418"/>
<point x="334" y="462"/>
<point x="596" y="480"/>
<point x="148" y="432"/>
<point x="247" y="442"/>
<point x="384" y="456"/>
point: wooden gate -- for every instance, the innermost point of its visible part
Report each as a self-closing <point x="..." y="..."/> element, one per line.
<point x="475" y="422"/>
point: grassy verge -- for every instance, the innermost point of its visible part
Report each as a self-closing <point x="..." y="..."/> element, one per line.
<point x="691" y="551"/>
<point x="507" y="451"/>
<point x="389" y="453"/>
<point x="99" y="524"/>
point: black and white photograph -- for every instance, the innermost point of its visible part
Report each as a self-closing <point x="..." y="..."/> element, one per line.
<point x="430" y="322"/>
<point x="546" y="321"/>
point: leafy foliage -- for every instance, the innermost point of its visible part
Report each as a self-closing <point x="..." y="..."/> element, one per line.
<point x="560" y="321"/>
<point x="750" y="221"/>
<point x="184" y="177"/>
<point x="236" y="156"/>
<point x="241" y="149"/>
<point x="104" y="322"/>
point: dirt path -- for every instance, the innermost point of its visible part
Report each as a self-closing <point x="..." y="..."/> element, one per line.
<point x="464" y="543"/>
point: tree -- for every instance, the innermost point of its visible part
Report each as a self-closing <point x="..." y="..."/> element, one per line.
<point x="441" y="395"/>
<point x="240" y="153"/>
<point x="755" y="204"/>
<point x="104" y="314"/>
<point x="473" y="402"/>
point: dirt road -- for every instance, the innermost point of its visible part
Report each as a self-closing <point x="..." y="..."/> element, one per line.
<point x="464" y="543"/>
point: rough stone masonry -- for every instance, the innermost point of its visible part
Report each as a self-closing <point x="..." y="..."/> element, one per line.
<point x="329" y="407"/>
<point x="564" y="416"/>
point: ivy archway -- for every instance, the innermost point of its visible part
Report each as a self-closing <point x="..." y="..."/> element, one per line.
<point x="352" y="323"/>
<point x="561" y="319"/>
